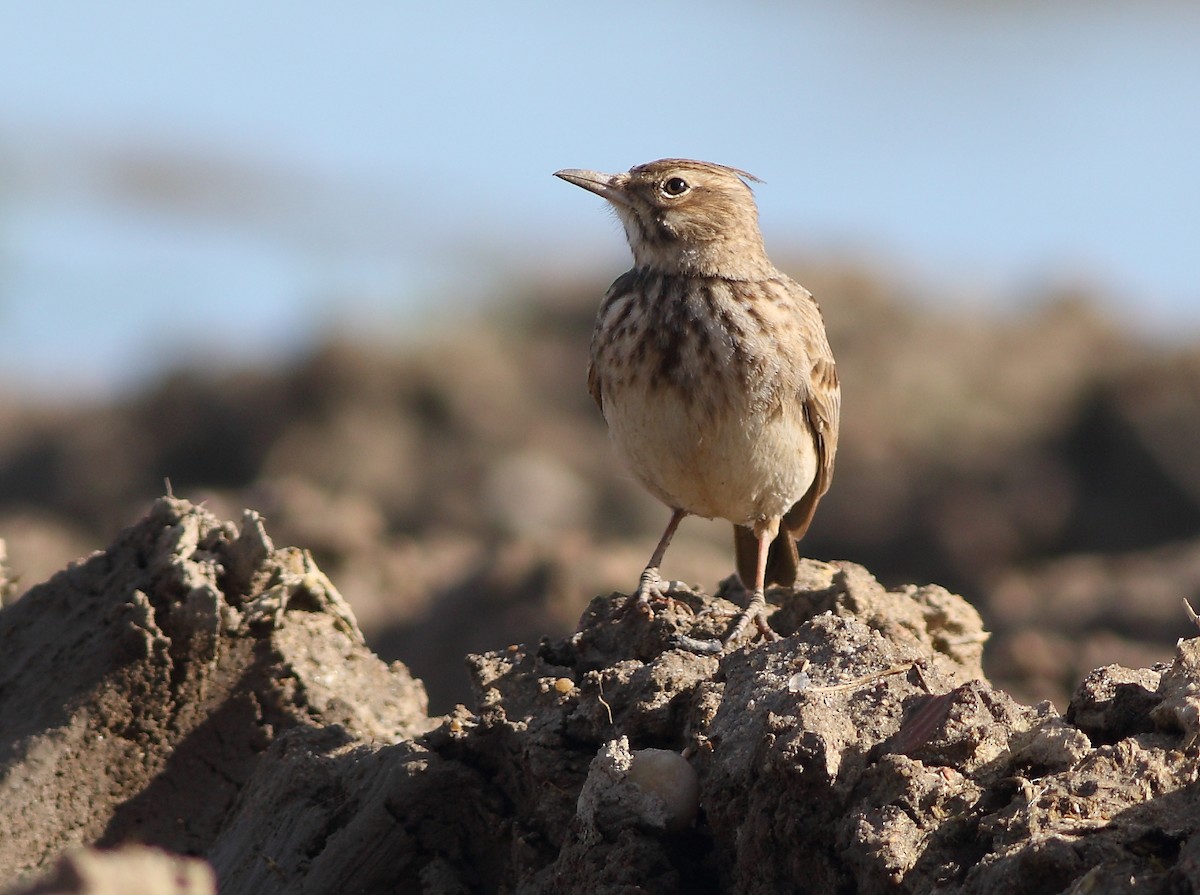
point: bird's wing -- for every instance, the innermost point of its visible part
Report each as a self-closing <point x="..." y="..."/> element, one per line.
<point x="824" y="411"/>
<point x="822" y="404"/>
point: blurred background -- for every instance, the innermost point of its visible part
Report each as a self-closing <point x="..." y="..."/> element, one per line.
<point x="312" y="261"/>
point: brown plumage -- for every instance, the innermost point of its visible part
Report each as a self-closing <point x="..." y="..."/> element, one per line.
<point x="712" y="369"/>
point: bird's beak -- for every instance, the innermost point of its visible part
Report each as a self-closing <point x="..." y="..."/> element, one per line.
<point x="610" y="186"/>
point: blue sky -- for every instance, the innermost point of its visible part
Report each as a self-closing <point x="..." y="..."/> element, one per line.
<point x="228" y="180"/>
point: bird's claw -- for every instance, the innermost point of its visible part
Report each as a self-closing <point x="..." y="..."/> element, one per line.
<point x="652" y="589"/>
<point x="755" y="612"/>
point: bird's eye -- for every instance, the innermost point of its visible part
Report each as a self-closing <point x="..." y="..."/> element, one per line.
<point x="675" y="186"/>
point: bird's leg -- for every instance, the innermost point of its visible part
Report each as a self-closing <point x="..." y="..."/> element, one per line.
<point x="650" y="586"/>
<point x="756" y="610"/>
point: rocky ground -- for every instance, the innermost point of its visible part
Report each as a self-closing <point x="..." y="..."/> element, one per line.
<point x="200" y="706"/>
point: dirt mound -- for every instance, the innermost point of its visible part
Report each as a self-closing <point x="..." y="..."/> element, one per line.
<point x="197" y="689"/>
<point x="139" y="688"/>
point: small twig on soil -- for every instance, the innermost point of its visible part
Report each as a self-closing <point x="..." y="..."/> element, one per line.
<point x="600" y="696"/>
<point x="864" y="680"/>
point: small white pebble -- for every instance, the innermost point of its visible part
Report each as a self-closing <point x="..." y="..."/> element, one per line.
<point x="799" y="682"/>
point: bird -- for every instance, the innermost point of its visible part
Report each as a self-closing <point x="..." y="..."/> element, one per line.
<point x="713" y="372"/>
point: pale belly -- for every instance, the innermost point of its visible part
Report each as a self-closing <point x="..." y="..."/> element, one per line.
<point x="744" y="467"/>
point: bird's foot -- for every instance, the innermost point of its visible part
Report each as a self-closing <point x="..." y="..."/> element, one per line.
<point x="652" y="589"/>
<point x="755" y="612"/>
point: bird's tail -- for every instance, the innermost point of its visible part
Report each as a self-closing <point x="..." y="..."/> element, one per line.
<point x="783" y="560"/>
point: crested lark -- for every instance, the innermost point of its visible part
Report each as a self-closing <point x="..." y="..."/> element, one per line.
<point x="713" y="371"/>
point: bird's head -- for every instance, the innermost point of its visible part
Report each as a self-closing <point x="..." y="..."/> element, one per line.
<point x="683" y="216"/>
